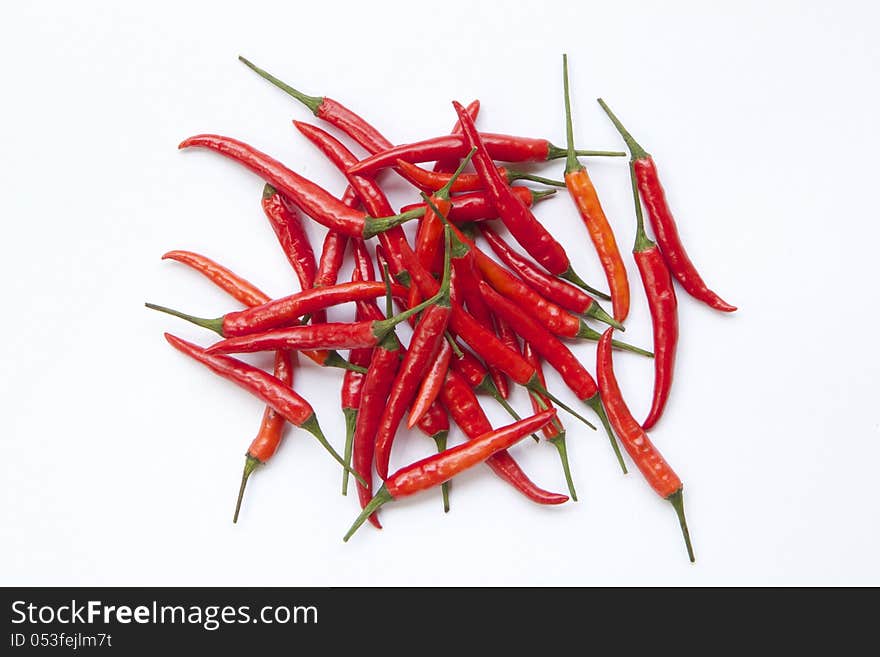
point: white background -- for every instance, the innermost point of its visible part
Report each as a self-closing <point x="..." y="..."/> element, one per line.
<point x="121" y="458"/>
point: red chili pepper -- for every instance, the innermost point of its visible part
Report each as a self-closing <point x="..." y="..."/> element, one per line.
<point x="435" y="425"/>
<point x="263" y="385"/>
<point x="459" y="399"/>
<point x="332" y="255"/>
<point x="499" y="147"/>
<point x="263" y="447"/>
<point x="521" y="223"/>
<point x="583" y="193"/>
<point x="448" y="165"/>
<point x="331" y="111"/>
<point x="663" y="222"/>
<point x="660" y="476"/>
<point x="312" y="199"/>
<point x="468" y="182"/>
<point x="248" y="294"/>
<point x="558" y="291"/>
<point x="291" y="235"/>
<point x="374" y="199"/>
<point x="438" y="468"/>
<point x="551" y="349"/>
<point x="476" y="206"/>
<point x="664" y="310"/>
<point x="554" y="432"/>
<point x="423" y="348"/>
<point x="430" y="385"/>
<point x="287" y="310"/>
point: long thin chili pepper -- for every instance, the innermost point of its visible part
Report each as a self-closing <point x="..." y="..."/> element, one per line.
<point x="663" y="305"/>
<point x="312" y="199"/>
<point x="263" y="385"/>
<point x="585" y="198"/>
<point x="468" y="182"/>
<point x="528" y="231"/>
<point x="477" y="206"/>
<point x="430" y="385"/>
<point x="331" y="111"/>
<point x="250" y="295"/>
<point x="425" y="343"/>
<point x="551" y="349"/>
<point x="438" y="468"/>
<point x="459" y="399"/>
<point x="558" y="291"/>
<point x="448" y="165"/>
<point x="554" y="432"/>
<point x="506" y="148"/>
<point x="291" y="234"/>
<point x="660" y="476"/>
<point x="663" y="222"/>
<point x="287" y="310"/>
<point x="374" y="199"/>
<point x="264" y="445"/>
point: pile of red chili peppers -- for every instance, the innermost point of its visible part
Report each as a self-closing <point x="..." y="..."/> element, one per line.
<point x="479" y="323"/>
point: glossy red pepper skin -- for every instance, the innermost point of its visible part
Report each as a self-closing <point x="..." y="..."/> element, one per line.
<point x="422" y="350"/>
<point x="521" y="223"/>
<point x="287" y="310"/>
<point x="500" y="147"/>
<point x="553" y="429"/>
<point x="431" y="181"/>
<point x="291" y="234"/>
<point x="431" y="384"/>
<point x="272" y="391"/>
<point x="477" y="206"/>
<point x="664" y="319"/>
<point x="666" y="232"/>
<point x="392" y="240"/>
<point x="554" y="289"/>
<point x="332" y="257"/>
<point x="332" y="335"/>
<point x="264" y="446"/>
<point x="448" y="165"/>
<point x="459" y="399"/>
<point x="312" y="199"/>
<point x="575" y="375"/>
<point x="650" y="462"/>
<point x="438" y="468"/>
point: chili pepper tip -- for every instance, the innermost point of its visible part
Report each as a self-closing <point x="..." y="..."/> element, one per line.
<point x="250" y="464"/>
<point x="677" y="500"/>
<point x="381" y="497"/>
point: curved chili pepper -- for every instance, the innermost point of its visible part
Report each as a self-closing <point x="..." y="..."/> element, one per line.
<point x="663" y="222"/>
<point x="263" y="385"/>
<point x="554" y="432"/>
<point x="249" y="295"/>
<point x="287" y="310"/>
<point x="469" y="182"/>
<point x="426" y="340"/>
<point x="583" y="193"/>
<point x="499" y="147"/>
<point x="430" y="385"/>
<point x="438" y="468"/>
<point x="331" y="111"/>
<point x="263" y="447"/>
<point x="658" y="473"/>
<point x="374" y="199"/>
<point x="521" y="223"/>
<point x="558" y="291"/>
<point x="291" y="235"/>
<point x="459" y="399"/>
<point x="312" y="199"/>
<point x="551" y="349"/>
<point x="332" y="255"/>
<point x="477" y="206"/>
<point x="448" y="165"/>
<point x="664" y="310"/>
